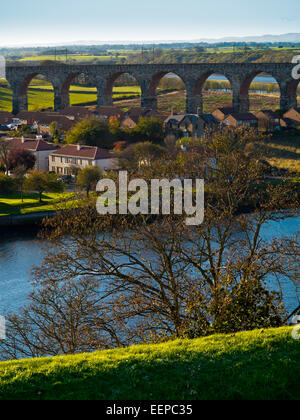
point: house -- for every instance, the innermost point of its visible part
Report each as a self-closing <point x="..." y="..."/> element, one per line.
<point x="268" y="121"/>
<point x="7" y="118"/>
<point x="210" y="123"/>
<point x="42" y="123"/>
<point x="221" y="113"/>
<point x="241" y="119"/>
<point x="293" y="114"/>
<point x="39" y="148"/>
<point x="289" y="124"/>
<point x="183" y="125"/>
<point x="103" y="112"/>
<point x="132" y="117"/>
<point x="189" y="125"/>
<point x="64" y="159"/>
<point x="28" y="117"/>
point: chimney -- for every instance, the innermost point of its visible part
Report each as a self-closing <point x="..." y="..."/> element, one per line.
<point x="23" y="140"/>
<point x="79" y="147"/>
<point x="172" y="111"/>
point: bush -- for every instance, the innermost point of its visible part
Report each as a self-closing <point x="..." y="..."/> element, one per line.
<point x="7" y="184"/>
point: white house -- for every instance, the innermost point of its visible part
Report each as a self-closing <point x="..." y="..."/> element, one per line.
<point x="62" y="160"/>
<point x="39" y="148"/>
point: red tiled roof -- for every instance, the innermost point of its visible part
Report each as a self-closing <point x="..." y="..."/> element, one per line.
<point x="6" y="117"/>
<point x="30" y="116"/>
<point x="243" y="116"/>
<point x="82" y="112"/>
<point x="85" y="152"/>
<point x="268" y="113"/>
<point x="32" y="145"/>
<point x="226" y="110"/>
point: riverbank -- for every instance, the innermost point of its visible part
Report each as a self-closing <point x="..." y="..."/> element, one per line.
<point x="251" y="365"/>
<point x="34" y="219"/>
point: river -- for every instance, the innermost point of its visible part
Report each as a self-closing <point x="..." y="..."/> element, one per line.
<point x="221" y="78"/>
<point x="21" y="251"/>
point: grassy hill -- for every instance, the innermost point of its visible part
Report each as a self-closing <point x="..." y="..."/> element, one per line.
<point x="252" y="365"/>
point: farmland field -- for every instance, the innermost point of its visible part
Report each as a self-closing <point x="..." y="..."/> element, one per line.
<point x="41" y="96"/>
<point x="75" y="58"/>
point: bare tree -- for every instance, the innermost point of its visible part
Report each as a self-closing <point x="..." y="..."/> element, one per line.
<point x="148" y="279"/>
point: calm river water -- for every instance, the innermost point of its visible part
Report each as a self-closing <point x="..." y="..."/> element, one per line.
<point x="21" y="251"/>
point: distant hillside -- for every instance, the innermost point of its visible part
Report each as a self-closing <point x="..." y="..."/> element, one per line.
<point x="293" y="37"/>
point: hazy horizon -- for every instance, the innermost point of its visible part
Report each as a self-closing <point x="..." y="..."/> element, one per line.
<point x="39" y="23"/>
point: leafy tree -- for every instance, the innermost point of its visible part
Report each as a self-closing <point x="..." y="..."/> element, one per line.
<point x="91" y="132"/>
<point x="19" y="176"/>
<point x="149" y="129"/>
<point x="7" y="184"/>
<point x="41" y="182"/>
<point x="54" y="130"/>
<point x="88" y="177"/>
<point x="140" y="154"/>
<point x="21" y="157"/>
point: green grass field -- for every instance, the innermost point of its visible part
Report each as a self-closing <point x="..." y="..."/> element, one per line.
<point x="260" y="365"/>
<point x="281" y="151"/>
<point x="41" y="96"/>
<point x="12" y="205"/>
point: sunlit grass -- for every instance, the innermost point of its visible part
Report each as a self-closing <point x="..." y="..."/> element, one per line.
<point x="41" y="95"/>
<point x="253" y="365"/>
<point x="13" y="205"/>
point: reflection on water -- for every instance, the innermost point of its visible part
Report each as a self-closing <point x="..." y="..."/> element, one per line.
<point x="21" y="251"/>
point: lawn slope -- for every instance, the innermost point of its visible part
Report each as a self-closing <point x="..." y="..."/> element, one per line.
<point x="254" y="365"/>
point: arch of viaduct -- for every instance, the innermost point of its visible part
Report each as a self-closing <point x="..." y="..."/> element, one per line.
<point x="240" y="76"/>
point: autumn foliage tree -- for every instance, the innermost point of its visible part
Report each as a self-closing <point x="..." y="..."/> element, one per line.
<point x="22" y="158"/>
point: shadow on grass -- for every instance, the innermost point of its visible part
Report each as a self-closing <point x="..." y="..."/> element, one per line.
<point x="9" y="208"/>
<point x="269" y="371"/>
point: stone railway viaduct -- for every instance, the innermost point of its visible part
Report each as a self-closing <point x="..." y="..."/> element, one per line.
<point x="148" y="76"/>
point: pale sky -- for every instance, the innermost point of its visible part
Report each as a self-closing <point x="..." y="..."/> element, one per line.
<point x="62" y="21"/>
